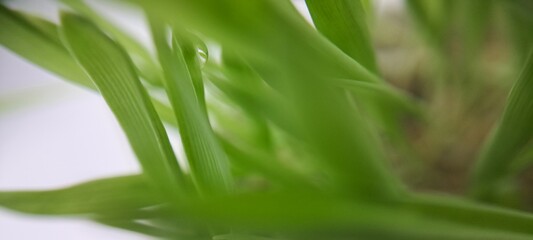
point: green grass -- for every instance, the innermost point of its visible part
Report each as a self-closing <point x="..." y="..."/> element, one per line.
<point x="291" y="132"/>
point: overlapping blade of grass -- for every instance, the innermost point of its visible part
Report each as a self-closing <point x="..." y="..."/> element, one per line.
<point x="285" y="51"/>
<point x="117" y="202"/>
<point x="341" y="139"/>
<point x="37" y="40"/>
<point x="266" y="111"/>
<point x="260" y="102"/>
<point x="267" y="165"/>
<point x="509" y="138"/>
<point x="38" y="44"/>
<point x="207" y="160"/>
<point x="308" y="216"/>
<point x="367" y="91"/>
<point x="44" y="26"/>
<point x="257" y="30"/>
<point x="112" y="71"/>
<point x="148" y="68"/>
<point x="469" y="213"/>
<point x="249" y="92"/>
<point x="240" y="76"/>
<point x="191" y="45"/>
<point x="277" y="110"/>
<point x="113" y="195"/>
<point x="344" y="23"/>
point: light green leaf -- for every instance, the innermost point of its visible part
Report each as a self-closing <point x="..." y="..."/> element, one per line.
<point x="191" y="55"/>
<point x="113" y="195"/>
<point x="44" y="26"/>
<point x="145" y="62"/>
<point x="39" y="45"/>
<point x="267" y="165"/>
<point x="344" y="23"/>
<point x="113" y="73"/>
<point x="118" y="202"/>
<point x="37" y="40"/>
<point x="259" y="102"/>
<point x="308" y="216"/>
<point x="258" y="31"/>
<point x="291" y="56"/>
<point x="207" y="160"/>
<point x="468" y="213"/>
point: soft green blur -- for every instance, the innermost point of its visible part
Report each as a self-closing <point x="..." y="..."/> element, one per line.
<point x="297" y="132"/>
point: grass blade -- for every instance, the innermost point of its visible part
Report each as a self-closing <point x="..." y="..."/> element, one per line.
<point x="207" y="160"/>
<point x="112" y="71"/>
<point x="38" y="45"/>
<point x="263" y="163"/>
<point x="37" y="40"/>
<point x="148" y="68"/>
<point x="112" y="195"/>
<point x="191" y="56"/>
<point x="339" y="136"/>
<point x="256" y="31"/>
<point x="307" y="216"/>
<point x="344" y="23"/>
<point x="472" y="214"/>
<point x="509" y="138"/>
<point x="262" y="103"/>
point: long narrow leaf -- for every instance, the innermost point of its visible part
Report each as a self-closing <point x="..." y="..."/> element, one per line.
<point x="192" y="59"/>
<point x="112" y="71"/>
<point x="510" y="137"/>
<point x="148" y="68"/>
<point x="207" y="160"/>
<point x="344" y="23"/>
<point x="307" y="216"/>
<point x="471" y="213"/>
<point x="37" y="40"/>
<point x="112" y="195"/>
<point x="298" y="63"/>
<point x="38" y="45"/>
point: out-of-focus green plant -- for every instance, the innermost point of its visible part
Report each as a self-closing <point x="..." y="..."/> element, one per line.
<point x="284" y="132"/>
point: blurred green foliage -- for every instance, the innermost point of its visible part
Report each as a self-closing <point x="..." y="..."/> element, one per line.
<point x="296" y="132"/>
